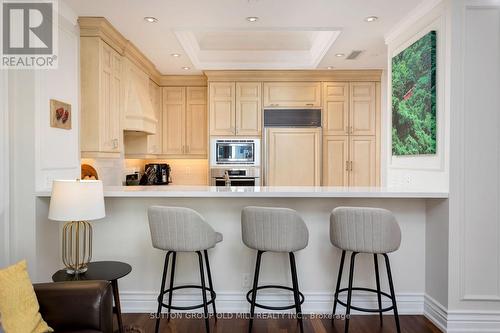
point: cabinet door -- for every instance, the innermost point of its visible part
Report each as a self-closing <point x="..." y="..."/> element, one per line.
<point x="248" y="108"/>
<point x="293" y="157"/>
<point x="336" y="108"/>
<point x="222" y="108"/>
<point x="110" y="100"/>
<point x="363" y="161"/>
<point x="173" y="120"/>
<point x="155" y="140"/>
<point x="196" y="121"/>
<point x="292" y="94"/>
<point x="363" y="114"/>
<point x="335" y="160"/>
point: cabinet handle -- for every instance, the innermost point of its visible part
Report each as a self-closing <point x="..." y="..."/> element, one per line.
<point x="350" y="163"/>
<point x="182" y="149"/>
<point x="309" y="104"/>
<point x="351" y="130"/>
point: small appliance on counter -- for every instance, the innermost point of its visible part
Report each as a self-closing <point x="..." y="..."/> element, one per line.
<point x="156" y="174"/>
<point x="132" y="179"/>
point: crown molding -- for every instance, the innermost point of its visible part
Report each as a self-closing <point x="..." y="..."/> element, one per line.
<point x="183" y="80"/>
<point x="102" y="28"/>
<point x="294" y="75"/>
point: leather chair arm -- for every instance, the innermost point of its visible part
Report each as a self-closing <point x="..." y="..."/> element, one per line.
<point x="76" y="305"/>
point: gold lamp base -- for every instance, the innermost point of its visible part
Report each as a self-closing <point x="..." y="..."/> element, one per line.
<point x="77" y="246"/>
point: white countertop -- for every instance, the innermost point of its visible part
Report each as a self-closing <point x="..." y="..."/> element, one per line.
<point x="180" y="191"/>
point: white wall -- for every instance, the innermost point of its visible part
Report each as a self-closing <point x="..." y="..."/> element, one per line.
<point x="474" y="286"/>
<point x="425" y="171"/>
<point x="39" y="153"/>
<point x="4" y="170"/>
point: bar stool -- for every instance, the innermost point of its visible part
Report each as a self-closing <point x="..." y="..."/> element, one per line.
<point x="274" y="230"/>
<point x="178" y="229"/>
<point x="365" y="230"/>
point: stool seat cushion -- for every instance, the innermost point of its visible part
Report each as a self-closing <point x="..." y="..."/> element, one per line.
<point x="180" y="229"/>
<point x="366" y="230"/>
<point x="273" y="229"/>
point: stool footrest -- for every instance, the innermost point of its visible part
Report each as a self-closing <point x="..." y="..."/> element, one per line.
<point x="192" y="307"/>
<point x="277" y="308"/>
<point x="365" y="309"/>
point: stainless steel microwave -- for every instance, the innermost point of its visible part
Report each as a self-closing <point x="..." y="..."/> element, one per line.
<point x="239" y="151"/>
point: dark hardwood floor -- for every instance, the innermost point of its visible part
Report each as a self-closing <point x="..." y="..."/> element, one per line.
<point x="358" y="324"/>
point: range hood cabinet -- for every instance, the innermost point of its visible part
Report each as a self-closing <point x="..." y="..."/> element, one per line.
<point x="139" y="114"/>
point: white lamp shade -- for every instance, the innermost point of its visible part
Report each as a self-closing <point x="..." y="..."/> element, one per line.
<point x="77" y="200"/>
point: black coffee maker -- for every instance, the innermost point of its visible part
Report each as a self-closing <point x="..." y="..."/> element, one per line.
<point x="156" y="174"/>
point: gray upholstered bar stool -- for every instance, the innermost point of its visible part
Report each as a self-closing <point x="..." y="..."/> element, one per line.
<point x="274" y="230"/>
<point x="365" y="230"/>
<point x="178" y="229"/>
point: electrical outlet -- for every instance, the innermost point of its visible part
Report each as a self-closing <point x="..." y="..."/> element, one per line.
<point x="409" y="180"/>
<point x="246" y="280"/>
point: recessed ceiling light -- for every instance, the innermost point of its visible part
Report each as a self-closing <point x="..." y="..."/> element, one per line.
<point x="329" y="67"/>
<point x="371" y="18"/>
<point x="186" y="68"/>
<point x="340" y="55"/>
<point x="252" y="19"/>
<point x="150" y="19"/>
<point x="176" y="55"/>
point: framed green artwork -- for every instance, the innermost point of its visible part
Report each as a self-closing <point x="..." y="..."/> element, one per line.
<point x="414" y="98"/>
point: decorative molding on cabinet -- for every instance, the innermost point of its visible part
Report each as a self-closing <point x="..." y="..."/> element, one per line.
<point x="373" y="75"/>
<point x="183" y="81"/>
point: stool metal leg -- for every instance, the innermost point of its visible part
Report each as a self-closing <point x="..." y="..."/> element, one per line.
<point x="339" y="278"/>
<point x="210" y="284"/>
<point x="160" y="296"/>
<point x="171" y="293"/>
<point x="203" y="292"/>
<point x="295" y="284"/>
<point x="393" y="295"/>
<point x="255" y="285"/>
<point x="379" y="295"/>
<point x="349" y="292"/>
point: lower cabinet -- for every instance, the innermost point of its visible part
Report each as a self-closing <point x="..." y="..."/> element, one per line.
<point x="184" y="122"/>
<point x="293" y="157"/>
<point x="350" y="161"/>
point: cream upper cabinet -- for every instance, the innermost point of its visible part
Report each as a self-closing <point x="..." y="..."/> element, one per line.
<point x="196" y="121"/>
<point x="363" y="168"/>
<point x="362" y="110"/>
<point x="248" y="108"/>
<point x="292" y="94"/>
<point x="155" y="141"/>
<point x="101" y="99"/>
<point x="336" y="160"/>
<point x="336" y="108"/>
<point x="235" y="108"/>
<point x="222" y="108"/>
<point x="173" y="116"/>
<point x="185" y="121"/>
<point x="293" y="156"/>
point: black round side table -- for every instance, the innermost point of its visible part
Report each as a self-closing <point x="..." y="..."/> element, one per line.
<point x="101" y="270"/>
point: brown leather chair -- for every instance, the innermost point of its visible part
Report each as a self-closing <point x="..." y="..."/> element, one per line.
<point x="77" y="306"/>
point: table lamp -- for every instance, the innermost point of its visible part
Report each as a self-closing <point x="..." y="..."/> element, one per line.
<point x="76" y="202"/>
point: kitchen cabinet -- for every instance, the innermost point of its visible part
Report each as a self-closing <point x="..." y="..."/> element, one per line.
<point x="349" y="160"/>
<point x="336" y="160"/>
<point x="184" y="122"/>
<point x="362" y="165"/>
<point x="101" y="99"/>
<point x="292" y="94"/>
<point x="154" y="145"/>
<point x="293" y="156"/>
<point x="248" y="108"/>
<point x="362" y="115"/>
<point x="336" y="108"/>
<point x="235" y="108"/>
<point x="222" y="108"/>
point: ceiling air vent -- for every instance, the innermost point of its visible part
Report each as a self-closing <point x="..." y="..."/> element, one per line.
<point x="354" y="54"/>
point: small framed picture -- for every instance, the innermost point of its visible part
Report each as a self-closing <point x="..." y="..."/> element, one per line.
<point x="60" y="114"/>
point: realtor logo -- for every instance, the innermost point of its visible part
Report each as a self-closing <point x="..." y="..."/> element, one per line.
<point x="29" y="34"/>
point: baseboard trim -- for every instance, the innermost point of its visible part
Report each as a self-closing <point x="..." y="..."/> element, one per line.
<point x="436" y="313"/>
<point x="235" y="302"/>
